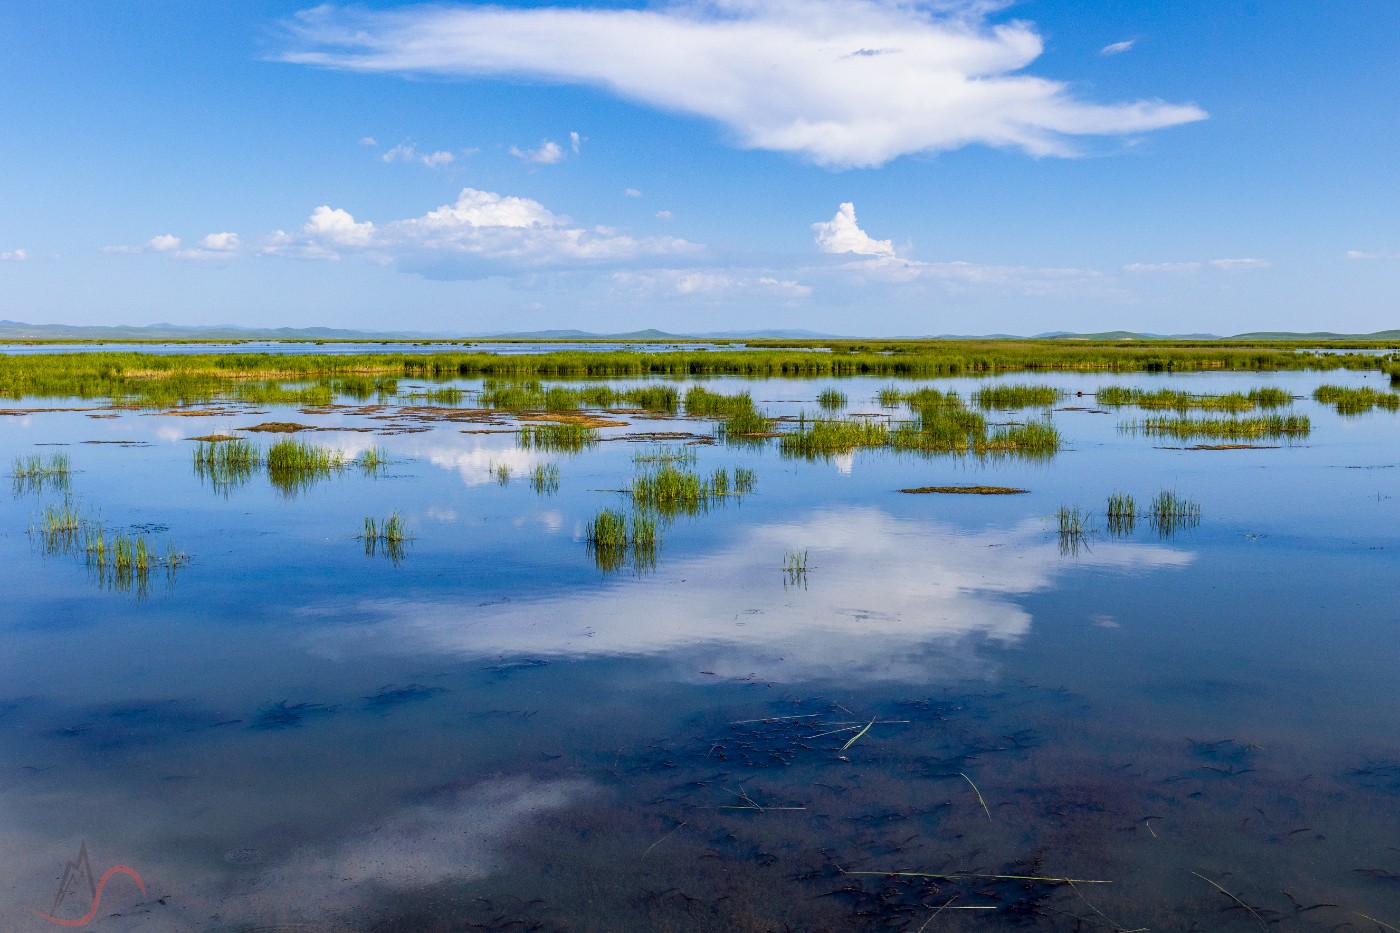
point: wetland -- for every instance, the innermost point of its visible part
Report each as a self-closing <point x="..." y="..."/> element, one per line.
<point x="741" y="639"/>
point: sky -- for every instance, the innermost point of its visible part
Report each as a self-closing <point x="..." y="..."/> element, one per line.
<point x="855" y="167"/>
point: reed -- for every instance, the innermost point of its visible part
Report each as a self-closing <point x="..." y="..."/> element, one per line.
<point x="832" y="400"/>
<point x="568" y="437"/>
<point x="389" y="536"/>
<point x="373" y="461"/>
<point x="827" y="437"/>
<point x="533" y="395"/>
<point x="615" y="541"/>
<point x="1016" y="396"/>
<point x="226" y="465"/>
<point x="1171" y="399"/>
<point x="1183" y="428"/>
<point x="890" y="397"/>
<point x="1170" y="513"/>
<point x="500" y="472"/>
<point x="1074" y="527"/>
<point x="664" y="455"/>
<point x="1350" y="401"/>
<point x="544" y="479"/>
<point x="669" y="491"/>
<point x="740" y="420"/>
<point x="744" y="481"/>
<point x="1122" y="514"/>
<point x="35" y="474"/>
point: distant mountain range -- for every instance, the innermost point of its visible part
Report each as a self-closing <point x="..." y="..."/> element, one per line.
<point x="17" y="330"/>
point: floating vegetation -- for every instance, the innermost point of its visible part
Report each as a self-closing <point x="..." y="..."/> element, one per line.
<point x="1074" y="528"/>
<point x="544" y="479"/>
<point x="616" y="541"/>
<point x="1263" y="426"/>
<point x="1122" y="396"/>
<point x="226" y="464"/>
<point x="1016" y="396"/>
<point x="1349" y="401"/>
<point x="389" y="536"/>
<point x="1122" y="514"/>
<point x="967" y="490"/>
<point x="294" y="466"/>
<point x="568" y="437"/>
<point x="500" y="472"/>
<point x="35" y="474"/>
<point x="832" y="400"/>
<point x="1170" y="513"/>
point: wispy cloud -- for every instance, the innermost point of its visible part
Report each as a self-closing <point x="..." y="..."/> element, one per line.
<point x="1219" y="265"/>
<point x="407" y="152"/>
<point x="1118" y="48"/>
<point x="547" y="153"/>
<point x="846" y="83"/>
<point x="709" y="284"/>
<point x="14" y="255"/>
<point x="1351" y="254"/>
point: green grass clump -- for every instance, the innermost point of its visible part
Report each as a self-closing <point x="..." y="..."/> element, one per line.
<point x="533" y="395"/>
<point x="832" y="400"/>
<point x="744" y="480"/>
<point x="226" y="464"/>
<point x="827" y="437"/>
<point x="294" y="466"/>
<point x="35" y="473"/>
<point x="389" y="536"/>
<point x="449" y="396"/>
<point x="1122" y="514"/>
<point x="1235" y="429"/>
<point x="1074" y="527"/>
<point x="739" y="419"/>
<point x="1170" y="513"/>
<point x="1016" y="396"/>
<point x="568" y="437"/>
<point x="1349" y="401"/>
<point x="795" y="569"/>
<point x="615" y="541"/>
<point x="500" y="472"/>
<point x="890" y="397"/>
<point x="668" y="491"/>
<point x="544" y="479"/>
<point x="373" y="461"/>
<point x="664" y="455"/>
<point x="1171" y="399"/>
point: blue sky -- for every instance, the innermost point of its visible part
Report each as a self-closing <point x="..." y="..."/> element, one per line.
<point x="873" y="167"/>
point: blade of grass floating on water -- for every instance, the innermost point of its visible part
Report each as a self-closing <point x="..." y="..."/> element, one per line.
<point x="741" y="722"/>
<point x="858" y="735"/>
<point x="953" y="875"/>
<point x="979" y="795"/>
<point x="1374" y="920"/>
<point x="1233" y="897"/>
<point x="663" y="839"/>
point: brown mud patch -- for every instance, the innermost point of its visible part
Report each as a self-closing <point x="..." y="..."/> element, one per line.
<point x="968" y="490"/>
<point x="213" y="438"/>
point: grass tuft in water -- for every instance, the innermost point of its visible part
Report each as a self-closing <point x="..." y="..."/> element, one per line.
<point x="1182" y="402"/>
<point x="794" y="569"/>
<point x="226" y="464"/>
<point x="501" y="473"/>
<point x="664" y="455"/>
<point x="373" y="461"/>
<point x="1171" y="513"/>
<point x="294" y="466"/>
<point x="669" y="491"/>
<point x="615" y="541"/>
<point x="1122" y="514"/>
<point x="832" y="400"/>
<point x="739" y="420"/>
<point x="827" y="437"/>
<point x="1349" y="401"/>
<point x="389" y="536"/>
<point x="544" y="479"/>
<point x="1074" y="528"/>
<point x="1016" y="396"/>
<point x="35" y="474"/>
<point x="568" y="437"/>
<point x="1185" y="429"/>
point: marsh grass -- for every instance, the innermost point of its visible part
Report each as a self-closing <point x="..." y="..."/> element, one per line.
<point x="832" y="400"/>
<point x="373" y="461"/>
<point x="795" y="569"/>
<point x="1074" y="527"/>
<point x="1267" y="397"/>
<point x="544" y="479"/>
<point x="1016" y="396"/>
<point x="739" y="419"/>
<point x="226" y="465"/>
<point x="1170" y="513"/>
<point x="1349" y="401"/>
<point x="664" y="455"/>
<point x="533" y="395"/>
<point x="294" y="466"/>
<point x="389" y="536"/>
<point x="116" y="560"/>
<point x="617" y="541"/>
<point x="501" y="473"/>
<point x="35" y="474"/>
<point x="827" y="437"/>
<point x="1185" y="429"/>
<point x="568" y="437"/>
<point x="890" y="397"/>
<point x="447" y="396"/>
<point x="669" y="491"/>
<point x="1122" y="514"/>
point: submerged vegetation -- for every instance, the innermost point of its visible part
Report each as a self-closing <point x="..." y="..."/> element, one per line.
<point x="34" y="474"/>
<point x="1349" y="401"/>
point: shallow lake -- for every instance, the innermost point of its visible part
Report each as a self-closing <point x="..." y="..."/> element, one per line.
<point x="820" y="705"/>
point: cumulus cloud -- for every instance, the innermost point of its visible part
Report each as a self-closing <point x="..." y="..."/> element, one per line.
<point x="222" y="242"/>
<point x="631" y="192"/>
<point x="1118" y="48"/>
<point x="14" y="255"/>
<point x="164" y="243"/>
<point x="841" y="234"/>
<point x="548" y="153"/>
<point x="368" y="141"/>
<point x="846" y="83"/>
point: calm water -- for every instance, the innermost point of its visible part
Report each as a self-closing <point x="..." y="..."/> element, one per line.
<point x="491" y="733"/>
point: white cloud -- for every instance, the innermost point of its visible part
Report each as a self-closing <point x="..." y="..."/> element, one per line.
<point x="841" y="234"/>
<point x="368" y="141"/>
<point x="406" y="152"/>
<point x="14" y="255"/>
<point x="1239" y="265"/>
<point x="163" y="243"/>
<point x="1118" y="48"/>
<point x="632" y="192"/>
<point x="575" y="140"/>
<point x="548" y="153"/>
<point x="665" y="215"/>
<point x="223" y="242"/>
<point x="1162" y="267"/>
<point x="706" y="284"/>
<point x="1351" y="254"/>
<point x="845" y="83"/>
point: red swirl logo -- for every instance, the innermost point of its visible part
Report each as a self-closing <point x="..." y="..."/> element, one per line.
<point x="75" y="874"/>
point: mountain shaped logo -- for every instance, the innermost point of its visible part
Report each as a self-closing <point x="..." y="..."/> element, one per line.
<point x="77" y="881"/>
